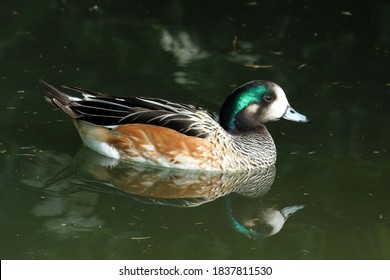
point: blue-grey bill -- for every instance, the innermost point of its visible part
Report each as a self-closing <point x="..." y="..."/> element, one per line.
<point x="294" y="116"/>
<point x="289" y="210"/>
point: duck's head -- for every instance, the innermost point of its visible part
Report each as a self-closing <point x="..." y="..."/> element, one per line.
<point x="255" y="103"/>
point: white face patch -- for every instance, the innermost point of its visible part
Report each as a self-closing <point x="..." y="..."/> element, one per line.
<point x="276" y="220"/>
<point x="278" y="107"/>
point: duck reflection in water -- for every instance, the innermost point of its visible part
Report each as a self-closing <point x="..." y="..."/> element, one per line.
<point x="243" y="192"/>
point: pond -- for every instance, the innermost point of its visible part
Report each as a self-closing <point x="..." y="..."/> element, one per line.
<point x="327" y="197"/>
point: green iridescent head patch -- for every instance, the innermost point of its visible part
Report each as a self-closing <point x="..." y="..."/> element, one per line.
<point x="241" y="98"/>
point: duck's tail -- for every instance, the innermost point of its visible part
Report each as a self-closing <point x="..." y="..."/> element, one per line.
<point x="58" y="98"/>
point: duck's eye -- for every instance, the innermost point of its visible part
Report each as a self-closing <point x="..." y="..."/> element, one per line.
<point x="268" y="98"/>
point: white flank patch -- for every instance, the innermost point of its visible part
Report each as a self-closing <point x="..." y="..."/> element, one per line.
<point x="162" y="161"/>
<point x="148" y="147"/>
<point x="187" y="162"/>
<point x="102" y="148"/>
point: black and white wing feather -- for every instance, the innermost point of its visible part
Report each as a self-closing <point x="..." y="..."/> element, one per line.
<point x="111" y="111"/>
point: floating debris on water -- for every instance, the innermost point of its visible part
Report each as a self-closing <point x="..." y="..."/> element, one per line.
<point x="258" y="66"/>
<point x="140" y="237"/>
<point x="302" y="65"/>
<point x="346" y="13"/>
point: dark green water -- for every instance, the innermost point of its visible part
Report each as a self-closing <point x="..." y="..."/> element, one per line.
<point x="332" y="60"/>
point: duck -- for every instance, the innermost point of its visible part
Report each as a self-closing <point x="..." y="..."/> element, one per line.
<point x="158" y="132"/>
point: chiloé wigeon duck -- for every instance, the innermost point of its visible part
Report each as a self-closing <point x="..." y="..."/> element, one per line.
<point x="162" y="133"/>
